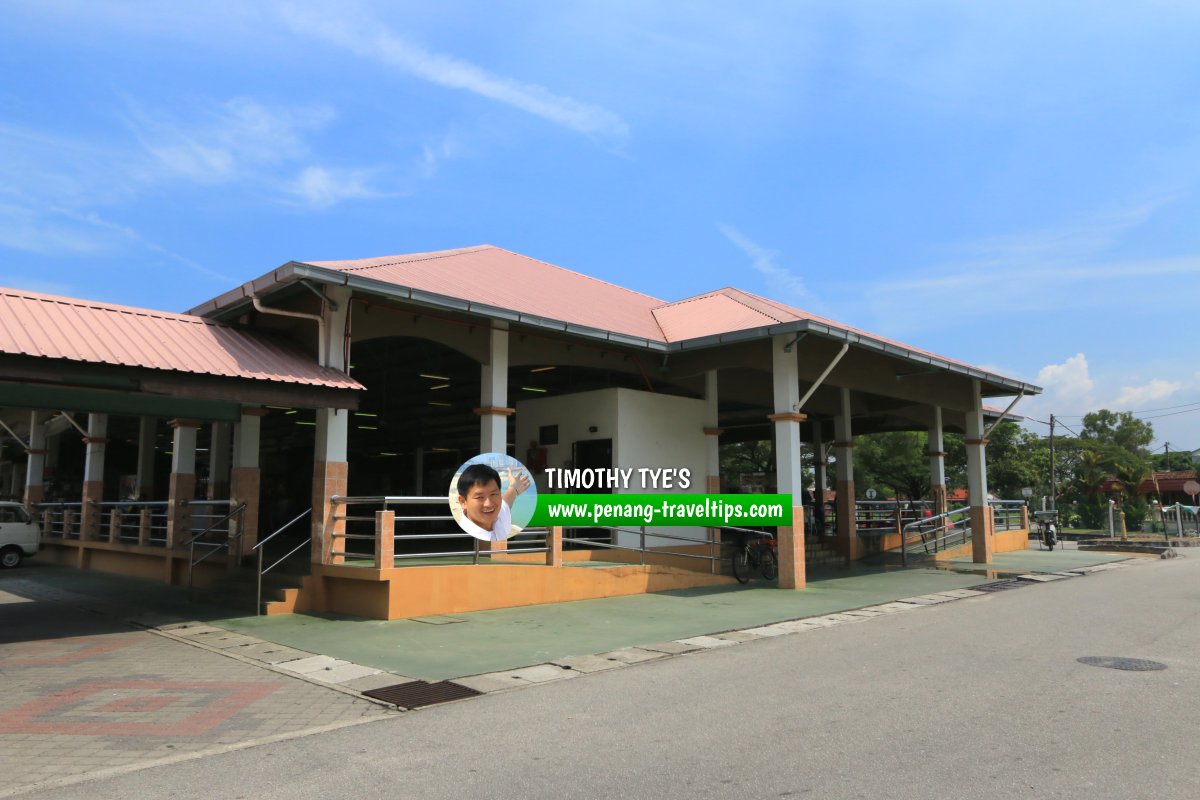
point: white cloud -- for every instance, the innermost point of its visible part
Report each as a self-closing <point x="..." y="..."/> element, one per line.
<point x="1068" y="383"/>
<point x="1134" y="397"/>
<point x="227" y="141"/>
<point x="369" y="38"/>
<point x="779" y="280"/>
<point x="321" y="187"/>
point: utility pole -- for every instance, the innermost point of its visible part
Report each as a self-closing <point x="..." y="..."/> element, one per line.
<point x="1053" y="483"/>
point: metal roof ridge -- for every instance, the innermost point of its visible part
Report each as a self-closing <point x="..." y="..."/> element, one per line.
<point x="399" y="258"/>
<point x="98" y="305"/>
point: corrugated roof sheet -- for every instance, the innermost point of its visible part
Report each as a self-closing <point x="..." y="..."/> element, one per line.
<point x="508" y="280"/>
<point x="501" y="278"/>
<point x="47" y="326"/>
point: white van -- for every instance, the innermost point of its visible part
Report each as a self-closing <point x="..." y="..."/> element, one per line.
<point x="19" y="535"/>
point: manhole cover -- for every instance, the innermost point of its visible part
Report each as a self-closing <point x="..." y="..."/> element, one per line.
<point x="415" y="694"/>
<point x="999" y="586"/>
<point x="1115" y="662"/>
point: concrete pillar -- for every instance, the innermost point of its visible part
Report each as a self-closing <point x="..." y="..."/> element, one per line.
<point x="847" y="518"/>
<point x="554" y="543"/>
<point x="144" y="484"/>
<point x="493" y="408"/>
<point x="786" y="383"/>
<point x="977" y="491"/>
<point x="937" y="464"/>
<point x="245" y="476"/>
<point x="182" y="488"/>
<point x="820" y="470"/>
<point x="93" y="476"/>
<point x="385" y="539"/>
<point x="419" y="472"/>
<point x="712" y="433"/>
<point x="330" y="478"/>
<point x="219" y="445"/>
<point x="35" y="465"/>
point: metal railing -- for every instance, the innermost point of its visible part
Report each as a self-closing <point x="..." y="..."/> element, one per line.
<point x="221" y="526"/>
<point x="929" y="535"/>
<point x="1007" y="515"/>
<point x="260" y="549"/>
<point x="60" y="520"/>
<point x="406" y="545"/>
<point x="140" y="522"/>
<point x="1174" y="516"/>
<point x="713" y="556"/>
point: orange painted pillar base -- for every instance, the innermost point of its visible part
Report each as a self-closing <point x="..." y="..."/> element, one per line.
<point x="981" y="534"/>
<point x="246" y="488"/>
<point x="385" y="539"/>
<point x="179" y="509"/>
<point x="790" y="541"/>
<point x="847" y="522"/>
<point x="330" y="478"/>
<point x="554" y="546"/>
<point x="90" y="515"/>
<point x="940" y="501"/>
<point x="35" y="494"/>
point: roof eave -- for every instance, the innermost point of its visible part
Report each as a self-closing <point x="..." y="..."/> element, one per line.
<point x="296" y="270"/>
<point x="857" y="339"/>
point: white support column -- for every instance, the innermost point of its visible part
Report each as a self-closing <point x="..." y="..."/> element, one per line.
<point x="937" y="463"/>
<point x="35" y="466"/>
<point x="331" y="475"/>
<point x="977" y="491"/>
<point x="820" y="477"/>
<point x="712" y="433"/>
<point x="144" y="484"/>
<point x="218" y="460"/>
<point x="494" y="410"/>
<point x="847" y="517"/>
<point x="93" y="475"/>
<point x="245" y="479"/>
<point x="786" y="386"/>
<point x="183" y="483"/>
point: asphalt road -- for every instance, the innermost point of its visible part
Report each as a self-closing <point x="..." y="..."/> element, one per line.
<point x="979" y="698"/>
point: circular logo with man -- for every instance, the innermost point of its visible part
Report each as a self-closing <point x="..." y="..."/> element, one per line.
<point x="492" y="497"/>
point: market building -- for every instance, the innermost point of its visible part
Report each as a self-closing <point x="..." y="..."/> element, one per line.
<point x="340" y="396"/>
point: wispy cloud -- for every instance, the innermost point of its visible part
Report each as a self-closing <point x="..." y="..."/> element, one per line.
<point x="779" y="280"/>
<point x="225" y="140"/>
<point x="321" y="187"/>
<point x="1057" y="269"/>
<point x="371" y="39"/>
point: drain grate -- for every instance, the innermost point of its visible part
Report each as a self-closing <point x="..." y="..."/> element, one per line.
<point x="1115" y="662"/>
<point x="415" y="694"/>
<point x="1000" y="586"/>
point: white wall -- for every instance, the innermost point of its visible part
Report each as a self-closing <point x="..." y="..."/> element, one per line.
<point x="648" y="430"/>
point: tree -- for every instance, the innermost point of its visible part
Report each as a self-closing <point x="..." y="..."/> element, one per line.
<point x="896" y="461"/>
<point x="1111" y="429"/>
<point x="1016" y="458"/>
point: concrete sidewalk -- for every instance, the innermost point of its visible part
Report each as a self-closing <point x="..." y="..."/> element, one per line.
<point x="105" y="674"/>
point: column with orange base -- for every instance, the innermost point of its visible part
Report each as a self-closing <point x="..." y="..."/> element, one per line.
<point x="35" y="464"/>
<point x="786" y="385"/>
<point x="847" y="517"/>
<point x="977" y="491"/>
<point x="93" y="476"/>
<point x="937" y="464"/>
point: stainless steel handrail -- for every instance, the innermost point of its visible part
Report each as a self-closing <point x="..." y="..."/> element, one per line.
<point x="259" y="547"/>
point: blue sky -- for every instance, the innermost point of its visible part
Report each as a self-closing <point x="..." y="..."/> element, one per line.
<point x="1011" y="184"/>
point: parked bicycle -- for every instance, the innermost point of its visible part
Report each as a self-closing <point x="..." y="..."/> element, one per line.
<point x="754" y="552"/>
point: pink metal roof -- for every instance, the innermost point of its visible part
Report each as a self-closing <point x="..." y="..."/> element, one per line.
<point x="508" y="280"/>
<point x="47" y="326"/>
<point x="498" y="277"/>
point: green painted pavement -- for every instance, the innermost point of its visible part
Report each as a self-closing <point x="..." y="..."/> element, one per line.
<point x="487" y="641"/>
